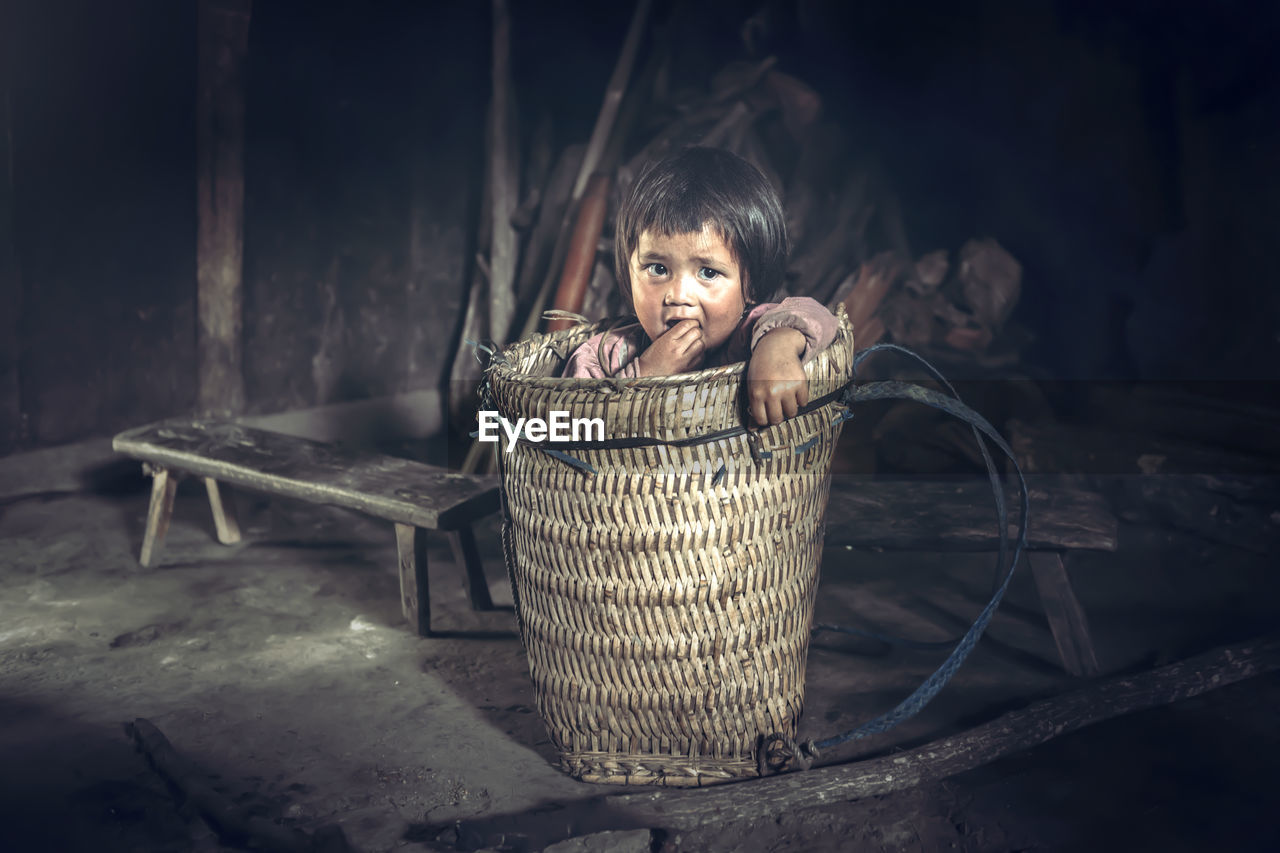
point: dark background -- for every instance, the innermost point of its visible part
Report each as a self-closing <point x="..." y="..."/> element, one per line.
<point x="1125" y="153"/>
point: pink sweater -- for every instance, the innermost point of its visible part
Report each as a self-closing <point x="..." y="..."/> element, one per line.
<point x="801" y="313"/>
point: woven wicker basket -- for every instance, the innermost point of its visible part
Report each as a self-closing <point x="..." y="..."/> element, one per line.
<point x="665" y="604"/>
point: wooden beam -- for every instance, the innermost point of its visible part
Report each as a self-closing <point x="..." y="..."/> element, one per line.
<point x="11" y="425"/>
<point x="504" y="168"/>
<point x="223" y="30"/>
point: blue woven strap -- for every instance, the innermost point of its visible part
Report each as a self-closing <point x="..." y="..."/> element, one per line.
<point x="887" y="390"/>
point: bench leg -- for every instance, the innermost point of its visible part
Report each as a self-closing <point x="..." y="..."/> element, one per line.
<point x="164" y="485"/>
<point x="415" y="596"/>
<point x="1066" y="616"/>
<point x="224" y="514"/>
<point x="467" y="556"/>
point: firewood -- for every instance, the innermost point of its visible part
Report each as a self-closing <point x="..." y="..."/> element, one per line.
<point x="834" y="248"/>
<point x="875" y="278"/>
<point x="931" y="270"/>
<point x="990" y="282"/>
<point x="909" y="320"/>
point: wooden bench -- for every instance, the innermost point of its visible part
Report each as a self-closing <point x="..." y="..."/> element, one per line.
<point x="416" y="497"/>
<point x="959" y="515"/>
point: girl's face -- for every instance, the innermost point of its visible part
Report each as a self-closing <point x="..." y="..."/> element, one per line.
<point x="687" y="277"/>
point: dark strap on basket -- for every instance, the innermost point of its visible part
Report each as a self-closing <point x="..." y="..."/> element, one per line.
<point x="777" y="753"/>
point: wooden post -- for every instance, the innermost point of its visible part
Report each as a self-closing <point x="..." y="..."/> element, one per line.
<point x="504" y="170"/>
<point x="11" y="426"/>
<point x="223" y="30"/>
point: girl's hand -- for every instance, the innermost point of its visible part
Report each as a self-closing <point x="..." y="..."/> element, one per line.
<point x="776" y="383"/>
<point x="677" y="350"/>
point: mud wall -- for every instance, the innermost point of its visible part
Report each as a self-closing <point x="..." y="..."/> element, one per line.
<point x="362" y="167"/>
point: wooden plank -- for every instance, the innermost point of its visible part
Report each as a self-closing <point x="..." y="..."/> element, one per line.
<point x="415" y="592"/>
<point x="224" y="514"/>
<point x="1066" y="617"/>
<point x="959" y="515"/>
<point x="223" y="27"/>
<point x="164" y="485"/>
<point x="1234" y="510"/>
<point x="399" y="490"/>
<point x="1100" y="450"/>
<point x="1211" y="413"/>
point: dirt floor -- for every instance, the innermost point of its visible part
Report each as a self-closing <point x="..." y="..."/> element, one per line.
<point x="281" y="669"/>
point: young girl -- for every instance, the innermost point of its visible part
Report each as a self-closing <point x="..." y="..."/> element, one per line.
<point x="700" y="238"/>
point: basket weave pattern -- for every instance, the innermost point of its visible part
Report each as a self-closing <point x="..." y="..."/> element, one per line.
<point x="664" y="603"/>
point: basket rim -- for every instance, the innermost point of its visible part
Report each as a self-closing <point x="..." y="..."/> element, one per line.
<point x="504" y="362"/>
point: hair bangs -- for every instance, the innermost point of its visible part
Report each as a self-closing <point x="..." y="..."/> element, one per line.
<point x="707" y="187"/>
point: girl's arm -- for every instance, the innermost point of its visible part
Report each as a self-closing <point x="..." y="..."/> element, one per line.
<point x="784" y="337"/>
<point x="805" y="315"/>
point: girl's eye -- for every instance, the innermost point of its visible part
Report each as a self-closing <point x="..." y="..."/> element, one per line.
<point x="655" y="269"/>
<point x="708" y="274"/>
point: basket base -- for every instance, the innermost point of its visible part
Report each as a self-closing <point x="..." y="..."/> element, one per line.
<point x="680" y="771"/>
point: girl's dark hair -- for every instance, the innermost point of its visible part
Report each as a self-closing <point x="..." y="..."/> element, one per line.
<point x="707" y="186"/>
